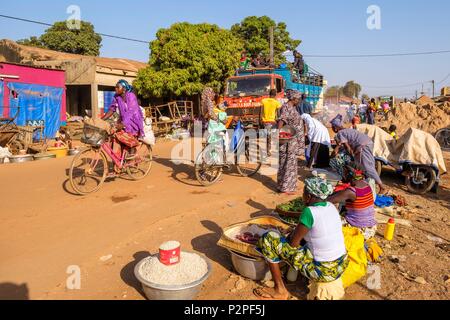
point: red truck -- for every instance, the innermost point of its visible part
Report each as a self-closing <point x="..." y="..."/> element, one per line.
<point x="245" y="92"/>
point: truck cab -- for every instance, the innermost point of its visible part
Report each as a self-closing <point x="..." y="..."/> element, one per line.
<point x="245" y="91"/>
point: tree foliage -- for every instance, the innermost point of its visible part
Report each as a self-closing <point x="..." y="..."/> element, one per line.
<point x="187" y="57"/>
<point x="334" y="91"/>
<point x="351" y="89"/>
<point x="59" y="37"/>
<point x="254" y="31"/>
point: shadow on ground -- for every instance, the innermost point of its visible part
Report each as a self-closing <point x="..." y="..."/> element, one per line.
<point x="127" y="272"/>
<point x="12" y="291"/>
<point x="179" y="170"/>
<point x="207" y="244"/>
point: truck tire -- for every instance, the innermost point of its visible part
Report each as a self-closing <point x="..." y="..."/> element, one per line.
<point x="421" y="180"/>
<point x="379" y="167"/>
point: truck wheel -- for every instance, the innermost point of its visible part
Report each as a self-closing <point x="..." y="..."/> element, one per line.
<point x="421" y="180"/>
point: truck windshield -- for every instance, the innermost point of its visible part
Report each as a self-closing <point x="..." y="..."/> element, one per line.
<point x="254" y="86"/>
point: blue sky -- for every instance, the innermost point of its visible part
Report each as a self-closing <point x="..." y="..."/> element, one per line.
<point x="326" y="27"/>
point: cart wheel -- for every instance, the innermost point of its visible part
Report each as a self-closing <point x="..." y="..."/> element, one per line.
<point x="421" y="180"/>
<point x="15" y="147"/>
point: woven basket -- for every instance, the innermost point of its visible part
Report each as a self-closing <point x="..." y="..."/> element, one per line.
<point x="245" y="248"/>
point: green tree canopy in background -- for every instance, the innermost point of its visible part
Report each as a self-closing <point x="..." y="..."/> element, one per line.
<point x="334" y="91"/>
<point x="254" y="31"/>
<point x="187" y="57"/>
<point x="59" y="37"/>
<point x="351" y="89"/>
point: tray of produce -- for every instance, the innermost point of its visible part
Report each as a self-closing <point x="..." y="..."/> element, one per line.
<point x="290" y="212"/>
<point x="243" y="237"/>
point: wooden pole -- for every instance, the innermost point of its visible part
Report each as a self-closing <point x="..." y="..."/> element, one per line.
<point x="271" y="46"/>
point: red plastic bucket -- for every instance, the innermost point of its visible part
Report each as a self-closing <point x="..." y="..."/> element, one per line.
<point x="169" y="253"/>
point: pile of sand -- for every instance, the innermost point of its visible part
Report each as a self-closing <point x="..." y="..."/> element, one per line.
<point x="428" y="117"/>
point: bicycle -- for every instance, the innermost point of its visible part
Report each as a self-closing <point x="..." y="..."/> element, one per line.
<point x="213" y="159"/>
<point x="90" y="168"/>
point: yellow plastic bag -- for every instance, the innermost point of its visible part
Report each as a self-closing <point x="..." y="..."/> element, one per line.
<point x="374" y="252"/>
<point x="357" y="268"/>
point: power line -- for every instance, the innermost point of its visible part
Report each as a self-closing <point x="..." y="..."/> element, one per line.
<point x="378" y="55"/>
<point x="309" y="56"/>
<point x="49" y="25"/>
<point x="407" y="85"/>
<point x="440" y="82"/>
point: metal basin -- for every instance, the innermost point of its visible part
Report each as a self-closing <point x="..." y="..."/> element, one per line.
<point x="155" y="291"/>
<point x="331" y="177"/>
<point x="44" y="156"/>
<point x="21" y="159"/>
<point x="74" y="152"/>
<point x="290" y="130"/>
<point x="251" y="268"/>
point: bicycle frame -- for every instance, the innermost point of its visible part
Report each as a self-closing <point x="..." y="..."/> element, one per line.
<point x="118" y="159"/>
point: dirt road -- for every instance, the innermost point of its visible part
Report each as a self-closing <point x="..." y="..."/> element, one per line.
<point x="44" y="230"/>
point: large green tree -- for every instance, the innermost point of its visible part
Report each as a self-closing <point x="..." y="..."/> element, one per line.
<point x="334" y="91"/>
<point x="59" y="37"/>
<point x="352" y="89"/>
<point x="187" y="57"/>
<point x="254" y="31"/>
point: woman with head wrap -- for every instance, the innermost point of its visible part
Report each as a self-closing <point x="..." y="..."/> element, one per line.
<point x="216" y="116"/>
<point x="289" y="152"/>
<point x="125" y="103"/>
<point x="359" y="201"/>
<point x="359" y="146"/>
<point x="323" y="258"/>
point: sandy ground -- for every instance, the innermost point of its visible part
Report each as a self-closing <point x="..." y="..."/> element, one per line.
<point x="44" y="230"/>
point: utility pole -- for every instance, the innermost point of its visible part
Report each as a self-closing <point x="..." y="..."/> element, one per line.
<point x="433" y="83"/>
<point x="271" y="46"/>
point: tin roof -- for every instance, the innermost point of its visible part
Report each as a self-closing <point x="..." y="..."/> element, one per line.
<point x="28" y="55"/>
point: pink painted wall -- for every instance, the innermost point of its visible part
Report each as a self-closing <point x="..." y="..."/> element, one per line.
<point x="27" y="74"/>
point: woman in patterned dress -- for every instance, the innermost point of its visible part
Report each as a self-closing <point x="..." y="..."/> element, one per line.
<point x="289" y="152"/>
<point x="323" y="258"/>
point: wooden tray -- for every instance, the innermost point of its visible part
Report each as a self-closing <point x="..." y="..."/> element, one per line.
<point x="245" y="248"/>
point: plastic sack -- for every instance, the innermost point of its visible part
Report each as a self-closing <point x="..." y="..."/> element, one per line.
<point x="237" y="136"/>
<point x="326" y="290"/>
<point x="374" y="252"/>
<point x="4" y="153"/>
<point x="149" y="138"/>
<point x="357" y="268"/>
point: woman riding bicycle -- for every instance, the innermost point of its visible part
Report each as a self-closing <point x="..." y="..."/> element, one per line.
<point x="131" y="118"/>
<point x="217" y="117"/>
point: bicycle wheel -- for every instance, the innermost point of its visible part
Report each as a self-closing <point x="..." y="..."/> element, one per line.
<point x="140" y="167"/>
<point x="250" y="162"/>
<point x="88" y="171"/>
<point x="207" y="166"/>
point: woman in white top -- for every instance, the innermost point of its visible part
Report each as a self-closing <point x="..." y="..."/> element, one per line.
<point x="320" y="142"/>
<point x="323" y="258"/>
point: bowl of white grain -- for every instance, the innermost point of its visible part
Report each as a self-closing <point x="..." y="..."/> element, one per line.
<point x="181" y="281"/>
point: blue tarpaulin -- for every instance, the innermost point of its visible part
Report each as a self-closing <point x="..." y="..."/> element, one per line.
<point x="39" y="105"/>
<point x="108" y="97"/>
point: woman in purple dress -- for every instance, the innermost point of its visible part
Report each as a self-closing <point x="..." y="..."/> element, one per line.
<point x="126" y="104"/>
